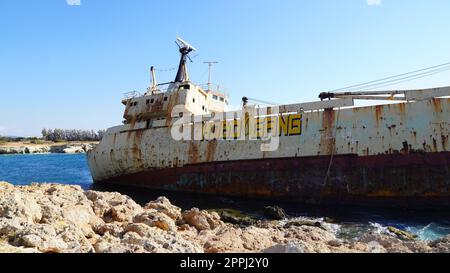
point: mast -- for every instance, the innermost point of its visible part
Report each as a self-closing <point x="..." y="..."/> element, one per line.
<point x="182" y="69"/>
<point x="185" y="49"/>
<point x="154" y="85"/>
<point x="210" y="64"/>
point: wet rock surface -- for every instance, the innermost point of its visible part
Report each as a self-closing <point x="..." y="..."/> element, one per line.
<point x="52" y="218"/>
<point x="235" y="217"/>
<point x="275" y="213"/>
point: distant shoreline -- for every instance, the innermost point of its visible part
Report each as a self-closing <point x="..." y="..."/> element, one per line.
<point x="75" y="147"/>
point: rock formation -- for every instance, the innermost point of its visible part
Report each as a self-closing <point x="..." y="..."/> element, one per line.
<point x="43" y="149"/>
<point x="65" y="219"/>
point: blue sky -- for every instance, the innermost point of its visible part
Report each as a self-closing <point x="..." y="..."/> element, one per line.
<point x="68" y="66"/>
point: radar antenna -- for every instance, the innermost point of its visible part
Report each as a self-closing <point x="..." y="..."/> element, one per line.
<point x="185" y="48"/>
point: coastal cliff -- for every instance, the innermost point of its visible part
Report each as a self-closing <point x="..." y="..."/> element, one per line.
<point x="70" y="148"/>
<point x="57" y="218"/>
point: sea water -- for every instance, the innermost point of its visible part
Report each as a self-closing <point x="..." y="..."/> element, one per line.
<point x="45" y="168"/>
<point x="351" y="221"/>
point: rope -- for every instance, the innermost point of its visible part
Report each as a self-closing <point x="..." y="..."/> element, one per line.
<point x="410" y="75"/>
<point x="333" y="148"/>
<point x="166" y="70"/>
<point x="406" y="79"/>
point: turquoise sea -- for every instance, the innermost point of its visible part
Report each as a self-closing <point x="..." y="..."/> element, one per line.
<point x="73" y="169"/>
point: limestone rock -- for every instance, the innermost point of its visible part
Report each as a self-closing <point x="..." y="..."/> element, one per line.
<point x="42" y="149"/>
<point x="16" y="204"/>
<point x="155" y="240"/>
<point x="7" y="248"/>
<point x="441" y="245"/>
<point x="67" y="219"/>
<point x="391" y="244"/>
<point x="113" y="206"/>
<point x="153" y="218"/>
<point x="290" y="247"/>
<point x="163" y="205"/>
<point x="202" y="220"/>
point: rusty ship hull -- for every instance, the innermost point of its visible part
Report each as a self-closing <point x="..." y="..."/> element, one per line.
<point x="386" y="155"/>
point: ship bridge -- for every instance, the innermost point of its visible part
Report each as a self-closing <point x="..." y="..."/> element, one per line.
<point x="157" y="104"/>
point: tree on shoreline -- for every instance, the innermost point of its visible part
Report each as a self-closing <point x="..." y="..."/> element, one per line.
<point x="72" y="135"/>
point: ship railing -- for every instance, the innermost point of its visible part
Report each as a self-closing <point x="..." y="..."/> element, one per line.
<point x="131" y="95"/>
<point x="271" y="111"/>
<point x="337" y="100"/>
<point x="393" y="95"/>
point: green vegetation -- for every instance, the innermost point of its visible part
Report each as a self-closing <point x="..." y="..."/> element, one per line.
<point x="57" y="135"/>
<point x="63" y="135"/>
<point x="34" y="140"/>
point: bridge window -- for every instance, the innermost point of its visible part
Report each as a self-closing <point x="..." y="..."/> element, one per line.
<point x="215" y="97"/>
<point x="222" y="99"/>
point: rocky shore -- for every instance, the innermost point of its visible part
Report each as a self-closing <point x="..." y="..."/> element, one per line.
<point x="43" y="149"/>
<point x="56" y="218"/>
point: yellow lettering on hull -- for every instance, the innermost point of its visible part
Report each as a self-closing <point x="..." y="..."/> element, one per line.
<point x="258" y="127"/>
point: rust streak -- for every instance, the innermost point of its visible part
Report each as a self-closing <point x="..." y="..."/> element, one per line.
<point x="211" y="150"/>
<point x="174" y="100"/>
<point x="378" y="114"/>
<point x="437" y="105"/>
<point x="136" y="148"/>
<point x="193" y="153"/>
<point x="444" y="140"/>
<point x="327" y="139"/>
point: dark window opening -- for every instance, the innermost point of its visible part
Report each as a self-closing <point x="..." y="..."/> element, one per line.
<point x="193" y="100"/>
<point x="152" y="100"/>
<point x="165" y="98"/>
